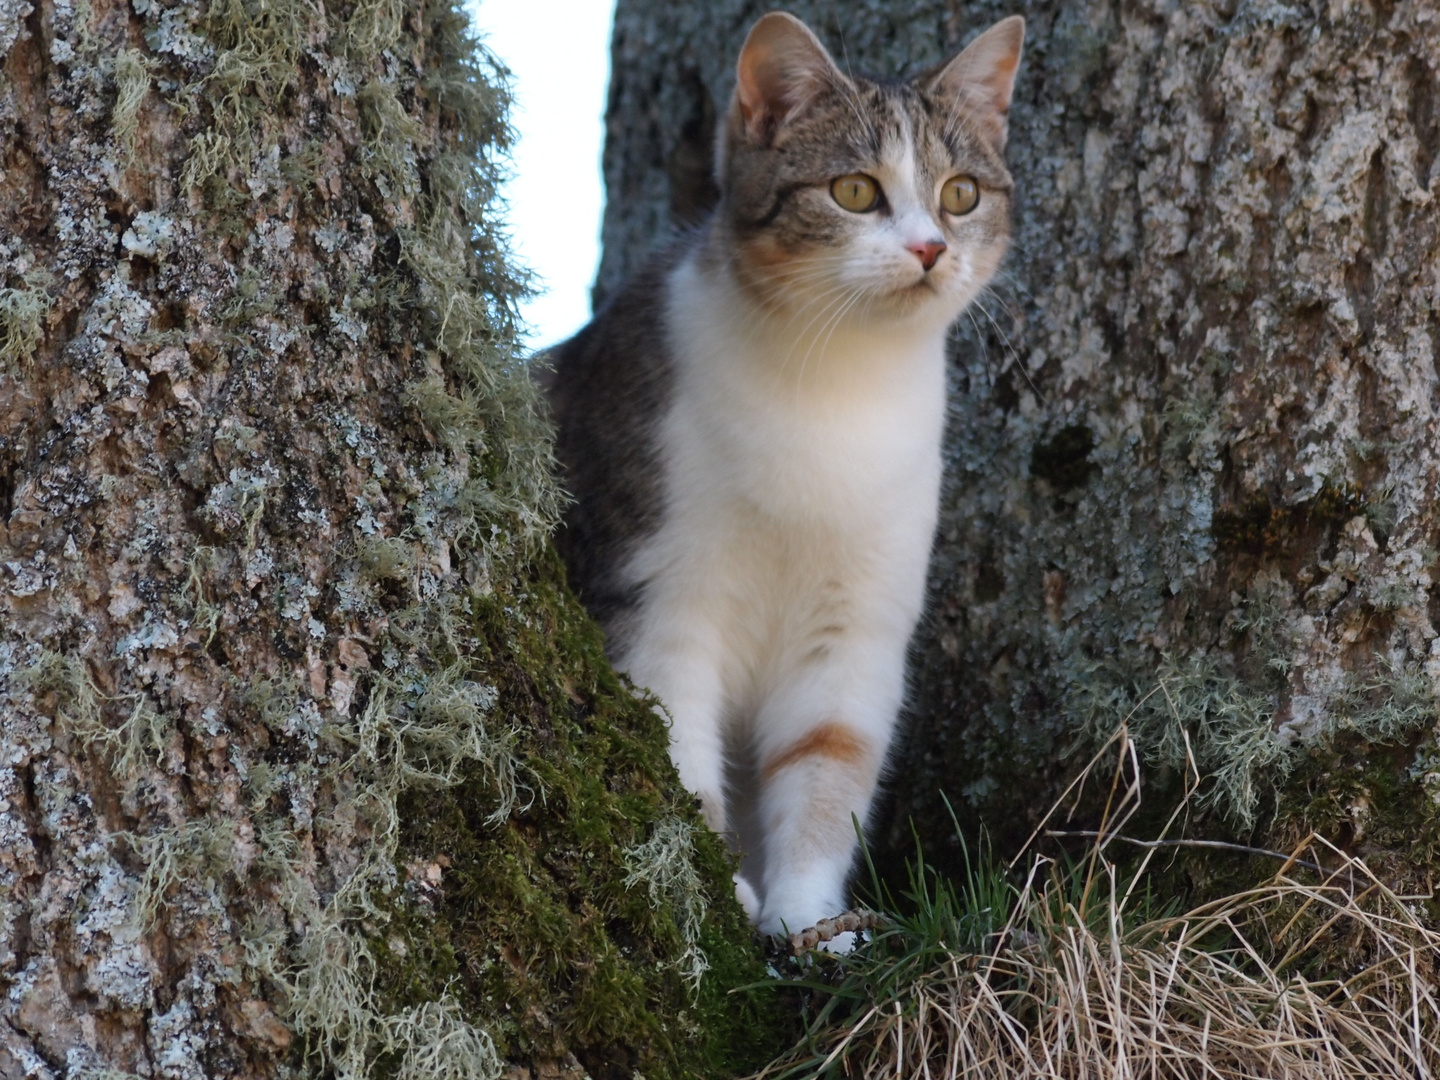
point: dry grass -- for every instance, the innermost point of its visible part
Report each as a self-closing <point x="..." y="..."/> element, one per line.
<point x="1319" y="974"/>
<point x="1162" y="999"/>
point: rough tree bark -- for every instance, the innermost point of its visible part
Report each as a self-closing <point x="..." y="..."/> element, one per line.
<point x="307" y="759"/>
<point x="1193" y="457"/>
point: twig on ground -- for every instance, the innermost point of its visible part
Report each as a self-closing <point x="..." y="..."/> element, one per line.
<point x="828" y="929"/>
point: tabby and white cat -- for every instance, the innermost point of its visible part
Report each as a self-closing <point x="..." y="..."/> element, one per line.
<point x="751" y="432"/>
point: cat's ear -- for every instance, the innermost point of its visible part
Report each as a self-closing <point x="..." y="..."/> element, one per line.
<point x="981" y="80"/>
<point x="782" y="68"/>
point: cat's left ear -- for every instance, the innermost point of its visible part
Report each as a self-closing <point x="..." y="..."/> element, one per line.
<point x="981" y="80"/>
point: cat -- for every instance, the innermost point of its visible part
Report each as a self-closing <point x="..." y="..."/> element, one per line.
<point x="751" y="434"/>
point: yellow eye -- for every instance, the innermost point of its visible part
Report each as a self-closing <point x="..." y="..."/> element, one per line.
<point x="857" y="192"/>
<point x="960" y="195"/>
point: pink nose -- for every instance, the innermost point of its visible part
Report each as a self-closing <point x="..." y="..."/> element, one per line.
<point x="927" y="252"/>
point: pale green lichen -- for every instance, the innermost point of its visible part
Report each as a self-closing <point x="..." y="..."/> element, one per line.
<point x="210" y="151"/>
<point x="326" y="979"/>
<point x="1266" y="620"/>
<point x="665" y="865"/>
<point x="150" y="235"/>
<point x="393" y="139"/>
<point x="429" y="692"/>
<point x="132" y="83"/>
<point x="436" y="1042"/>
<point x="1200" y="719"/>
<point x="205" y="615"/>
<point x="427" y="739"/>
<point x="1195" y="717"/>
<point x="236" y="505"/>
<point x="457" y="420"/>
<point x="373" y="27"/>
<point x="330" y="996"/>
<point x="385" y="558"/>
<point x="22" y="317"/>
<point x="1388" y="706"/>
<point x="196" y="852"/>
<point x="258" y="45"/>
<point x="81" y="707"/>
<point x="421" y="735"/>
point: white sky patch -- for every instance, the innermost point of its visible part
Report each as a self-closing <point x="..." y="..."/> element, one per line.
<point x="559" y="54"/>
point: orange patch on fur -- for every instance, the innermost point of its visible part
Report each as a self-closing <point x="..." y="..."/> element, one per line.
<point x="834" y="742"/>
<point x="764" y="254"/>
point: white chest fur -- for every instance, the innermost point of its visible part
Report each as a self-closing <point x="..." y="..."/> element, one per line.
<point x="801" y="481"/>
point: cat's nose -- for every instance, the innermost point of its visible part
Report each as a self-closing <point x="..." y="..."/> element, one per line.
<point x="927" y="251"/>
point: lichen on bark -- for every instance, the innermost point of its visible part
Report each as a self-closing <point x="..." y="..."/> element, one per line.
<point x="308" y="758"/>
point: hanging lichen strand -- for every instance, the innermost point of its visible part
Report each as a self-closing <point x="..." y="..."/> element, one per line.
<point x="308" y="757"/>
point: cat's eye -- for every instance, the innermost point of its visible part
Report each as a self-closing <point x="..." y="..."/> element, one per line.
<point x="857" y="192"/>
<point x="960" y="195"/>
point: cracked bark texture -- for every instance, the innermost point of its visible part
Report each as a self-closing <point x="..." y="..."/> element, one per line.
<point x="209" y="402"/>
<point x="308" y="762"/>
<point x="1193" y="455"/>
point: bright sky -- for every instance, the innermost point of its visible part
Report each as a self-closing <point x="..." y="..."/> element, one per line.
<point x="559" y="52"/>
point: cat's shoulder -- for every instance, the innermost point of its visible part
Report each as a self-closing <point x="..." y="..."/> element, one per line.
<point x="624" y="351"/>
<point x="608" y="389"/>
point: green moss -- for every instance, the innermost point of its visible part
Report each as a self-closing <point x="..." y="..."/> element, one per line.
<point x="594" y="907"/>
<point x="1371" y="799"/>
<point x="560" y="893"/>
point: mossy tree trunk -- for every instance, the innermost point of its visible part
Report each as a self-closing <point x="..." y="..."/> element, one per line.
<point x="1193" y="454"/>
<point x="307" y="757"/>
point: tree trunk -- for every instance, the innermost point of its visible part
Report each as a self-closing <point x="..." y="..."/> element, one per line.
<point x="1193" y="455"/>
<point x="308" y="759"/>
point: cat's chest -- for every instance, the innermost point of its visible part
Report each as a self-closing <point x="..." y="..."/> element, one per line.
<point x="830" y="426"/>
<point x="839" y="439"/>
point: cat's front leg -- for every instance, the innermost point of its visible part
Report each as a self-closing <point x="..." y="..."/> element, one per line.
<point x="821" y="742"/>
<point x="676" y="663"/>
<point x="680" y="669"/>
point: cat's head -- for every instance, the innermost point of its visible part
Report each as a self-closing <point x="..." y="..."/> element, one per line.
<point x="847" y="197"/>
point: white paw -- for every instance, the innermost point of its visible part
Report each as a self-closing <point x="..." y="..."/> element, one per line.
<point x="749" y="900"/>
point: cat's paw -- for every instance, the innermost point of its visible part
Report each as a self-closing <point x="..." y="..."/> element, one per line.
<point x="749" y="899"/>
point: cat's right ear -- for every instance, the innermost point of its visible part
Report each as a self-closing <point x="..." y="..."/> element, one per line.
<point x="782" y="68"/>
